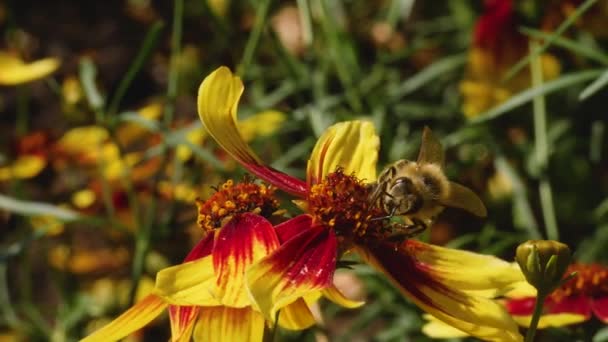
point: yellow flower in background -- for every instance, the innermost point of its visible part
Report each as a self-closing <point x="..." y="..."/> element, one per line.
<point x="497" y="46"/>
<point x="23" y="168"/>
<point x="14" y="71"/>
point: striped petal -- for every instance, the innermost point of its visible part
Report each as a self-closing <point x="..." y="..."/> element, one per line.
<point x="301" y="265"/>
<point x="244" y="240"/>
<point x="466" y="270"/>
<point x="478" y="316"/>
<point x="335" y="295"/>
<point x="191" y="283"/>
<point x="132" y="320"/>
<point x="293" y="227"/>
<point x="218" y="98"/>
<point x="296" y="316"/>
<point x="15" y="71"/>
<point x="351" y="145"/>
<point x="568" y="310"/>
<point x="222" y="323"/>
<point x="183" y="318"/>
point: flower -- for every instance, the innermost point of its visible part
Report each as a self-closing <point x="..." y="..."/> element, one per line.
<point x="339" y="219"/>
<point x="543" y="263"/>
<point x="15" y="71"/>
<point x="497" y="45"/>
<point x="583" y="296"/>
<point x="205" y="295"/>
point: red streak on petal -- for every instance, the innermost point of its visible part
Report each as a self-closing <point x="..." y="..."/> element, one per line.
<point x="234" y="246"/>
<point x="202" y="248"/>
<point x="600" y="308"/>
<point x="182" y="320"/>
<point x="277" y="178"/>
<point x="293" y="227"/>
<point x="307" y="258"/>
<point x="408" y="273"/>
<point x="579" y="305"/>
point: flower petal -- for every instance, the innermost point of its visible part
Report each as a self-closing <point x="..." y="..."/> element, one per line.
<point x="551" y="320"/>
<point x="131" y="320"/>
<point x="437" y="329"/>
<point x="475" y="315"/>
<point x="335" y="295"/>
<point x="244" y="240"/>
<point x="183" y="318"/>
<point x="218" y="98"/>
<point x="466" y="270"/>
<point x="191" y="283"/>
<point x="301" y="265"/>
<point x="296" y="316"/>
<point x="351" y="145"/>
<point x="568" y="310"/>
<point x="15" y="71"/>
<point x="290" y="228"/>
<point x="600" y="308"/>
<point x="229" y="324"/>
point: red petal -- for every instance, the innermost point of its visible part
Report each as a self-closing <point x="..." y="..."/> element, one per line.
<point x="579" y="305"/>
<point x="279" y="179"/>
<point x="303" y="264"/>
<point x="520" y="306"/>
<point x="600" y="308"/>
<point x="293" y="227"/>
<point x="202" y="248"/>
<point x="243" y="240"/>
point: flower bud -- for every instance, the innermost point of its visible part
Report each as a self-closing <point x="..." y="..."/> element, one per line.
<point x="543" y="263"/>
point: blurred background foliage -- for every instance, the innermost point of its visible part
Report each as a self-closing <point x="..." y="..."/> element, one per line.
<point x="102" y="153"/>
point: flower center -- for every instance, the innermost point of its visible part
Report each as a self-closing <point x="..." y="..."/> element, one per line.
<point x="591" y="280"/>
<point x="341" y="202"/>
<point x="231" y="199"/>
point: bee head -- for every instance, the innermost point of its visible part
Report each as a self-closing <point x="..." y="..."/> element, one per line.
<point x="402" y="197"/>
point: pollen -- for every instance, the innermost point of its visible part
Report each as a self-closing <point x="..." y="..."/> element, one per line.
<point x="233" y="198"/>
<point x="341" y="203"/>
<point x="591" y="280"/>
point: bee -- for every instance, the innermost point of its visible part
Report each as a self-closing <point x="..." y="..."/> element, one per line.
<point x="419" y="190"/>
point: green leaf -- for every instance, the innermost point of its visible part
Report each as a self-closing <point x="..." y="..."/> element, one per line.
<point x="529" y="94"/>
<point x="595" y="86"/>
<point x="29" y="208"/>
<point x="88" y="73"/>
<point x="578" y="48"/>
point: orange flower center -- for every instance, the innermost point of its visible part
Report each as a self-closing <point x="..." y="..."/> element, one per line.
<point x="591" y="280"/>
<point x="231" y="199"/>
<point x="341" y="203"/>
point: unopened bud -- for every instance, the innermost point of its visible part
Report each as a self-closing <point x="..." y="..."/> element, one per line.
<point x="543" y="263"/>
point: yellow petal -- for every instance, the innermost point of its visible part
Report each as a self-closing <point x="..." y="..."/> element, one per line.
<point x="296" y="316"/>
<point x="222" y="323"/>
<point x="478" y="316"/>
<point x="191" y="283"/>
<point x="351" y="145"/>
<point x="183" y="319"/>
<point x="14" y="71"/>
<point x="83" y="198"/>
<point x="83" y="139"/>
<point x="218" y="98"/>
<point x="437" y="329"/>
<point x="27" y="166"/>
<point x="132" y="320"/>
<point x="261" y="124"/>
<point x="332" y="293"/>
<point x="551" y="320"/>
<point x="467" y="270"/>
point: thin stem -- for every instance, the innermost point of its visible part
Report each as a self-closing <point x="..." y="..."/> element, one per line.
<point x="538" y="310"/>
<point x="254" y="37"/>
<point x="541" y="146"/>
<point x="176" y="46"/>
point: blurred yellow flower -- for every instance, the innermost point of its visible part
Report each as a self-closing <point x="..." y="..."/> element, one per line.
<point x="24" y="167"/>
<point x="14" y="71"/>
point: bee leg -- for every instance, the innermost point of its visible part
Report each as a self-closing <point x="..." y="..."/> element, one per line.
<point x="387" y="217"/>
<point x="407" y="231"/>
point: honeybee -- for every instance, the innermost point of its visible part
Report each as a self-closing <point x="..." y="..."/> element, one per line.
<point x="419" y="191"/>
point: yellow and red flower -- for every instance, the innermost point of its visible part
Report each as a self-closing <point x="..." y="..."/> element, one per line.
<point x="497" y="46"/>
<point x="206" y="296"/>
<point x="339" y="219"/>
<point x="577" y="300"/>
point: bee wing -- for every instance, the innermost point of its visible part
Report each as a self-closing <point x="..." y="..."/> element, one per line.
<point x="464" y="198"/>
<point x="431" y="150"/>
<point x="376" y="191"/>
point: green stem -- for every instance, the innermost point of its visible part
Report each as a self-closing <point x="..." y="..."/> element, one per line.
<point x="254" y="38"/>
<point x="538" y="310"/>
